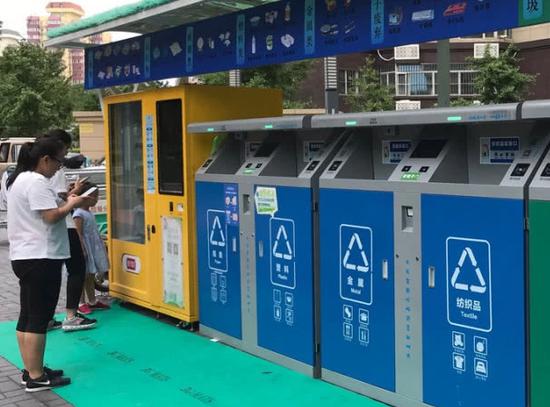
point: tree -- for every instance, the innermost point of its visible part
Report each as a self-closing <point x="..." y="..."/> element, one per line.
<point x="286" y="77"/>
<point x="499" y="80"/>
<point x="34" y="94"/>
<point x="371" y="94"/>
<point x="84" y="100"/>
<point x="216" y="78"/>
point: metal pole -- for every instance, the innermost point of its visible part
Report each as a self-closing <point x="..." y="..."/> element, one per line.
<point x="443" y="73"/>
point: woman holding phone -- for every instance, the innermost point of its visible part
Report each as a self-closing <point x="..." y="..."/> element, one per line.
<point x="39" y="245"/>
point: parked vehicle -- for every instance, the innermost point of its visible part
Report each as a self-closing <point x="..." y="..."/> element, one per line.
<point x="9" y="151"/>
<point x="97" y="176"/>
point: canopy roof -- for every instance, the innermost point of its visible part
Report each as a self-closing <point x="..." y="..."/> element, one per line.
<point x="144" y="17"/>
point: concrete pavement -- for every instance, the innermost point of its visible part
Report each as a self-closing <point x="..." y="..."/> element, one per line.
<point x="11" y="391"/>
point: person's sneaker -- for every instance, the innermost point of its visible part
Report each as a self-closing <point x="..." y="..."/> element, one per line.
<point x="54" y="324"/>
<point x="45" y="383"/>
<point x="85" y="309"/>
<point x="98" y="306"/>
<point x="78" y="323"/>
<point x="47" y="370"/>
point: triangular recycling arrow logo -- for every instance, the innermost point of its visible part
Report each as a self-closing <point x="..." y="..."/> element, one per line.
<point x="282" y="248"/>
<point x="481" y="286"/>
<point x="355" y="241"/>
<point x="216" y="235"/>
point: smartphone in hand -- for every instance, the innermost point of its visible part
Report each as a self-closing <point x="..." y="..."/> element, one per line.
<point x="89" y="191"/>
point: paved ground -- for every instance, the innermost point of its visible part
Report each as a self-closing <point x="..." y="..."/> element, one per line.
<point x="11" y="392"/>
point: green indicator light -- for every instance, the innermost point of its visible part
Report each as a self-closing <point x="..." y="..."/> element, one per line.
<point x="454" y="118"/>
<point x="351" y="123"/>
<point x="210" y="129"/>
<point x="411" y="176"/>
<point x="268" y="126"/>
<point x="248" y="171"/>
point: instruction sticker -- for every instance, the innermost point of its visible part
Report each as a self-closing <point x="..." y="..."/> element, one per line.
<point x="231" y="200"/>
<point x="172" y="261"/>
<point x="394" y="151"/>
<point x="311" y="149"/>
<point x="150" y="154"/>
<point x="266" y="201"/>
<point x="498" y="150"/>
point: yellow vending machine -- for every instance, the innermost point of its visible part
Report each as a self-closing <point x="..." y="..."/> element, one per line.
<point x="151" y="191"/>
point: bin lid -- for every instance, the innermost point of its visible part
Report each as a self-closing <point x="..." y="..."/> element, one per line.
<point x="536" y="109"/>
<point x="256" y="124"/>
<point x="449" y="115"/>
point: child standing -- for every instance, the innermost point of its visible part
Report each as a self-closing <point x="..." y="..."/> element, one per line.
<point x="94" y="251"/>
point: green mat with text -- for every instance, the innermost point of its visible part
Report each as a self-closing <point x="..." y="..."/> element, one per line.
<point x="135" y="360"/>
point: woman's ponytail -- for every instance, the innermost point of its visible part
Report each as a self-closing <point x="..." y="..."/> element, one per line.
<point x="24" y="163"/>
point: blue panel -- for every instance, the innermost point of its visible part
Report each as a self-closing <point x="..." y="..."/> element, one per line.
<point x="292" y="30"/>
<point x="473" y="320"/>
<point x="219" y="257"/>
<point x="284" y="276"/>
<point x="357" y="304"/>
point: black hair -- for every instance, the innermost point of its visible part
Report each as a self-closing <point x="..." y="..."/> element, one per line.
<point x="61" y="135"/>
<point x="31" y="153"/>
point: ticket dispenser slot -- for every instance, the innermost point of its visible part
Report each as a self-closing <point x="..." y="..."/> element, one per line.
<point x="407" y="218"/>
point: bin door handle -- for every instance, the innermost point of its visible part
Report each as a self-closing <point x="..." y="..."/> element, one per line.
<point x="431" y="277"/>
<point x="148" y="232"/>
<point x="385" y="271"/>
<point x="261" y="248"/>
<point x="234" y="244"/>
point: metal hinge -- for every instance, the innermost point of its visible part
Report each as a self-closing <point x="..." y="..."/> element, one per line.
<point x="526" y="223"/>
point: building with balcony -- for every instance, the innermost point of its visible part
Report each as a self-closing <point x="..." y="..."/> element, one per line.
<point x="59" y="14"/>
<point x="411" y="71"/>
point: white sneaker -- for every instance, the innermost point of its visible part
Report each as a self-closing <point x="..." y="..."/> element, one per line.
<point x="78" y="323"/>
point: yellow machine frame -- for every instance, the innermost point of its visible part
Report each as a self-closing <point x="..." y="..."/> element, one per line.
<point x="137" y="271"/>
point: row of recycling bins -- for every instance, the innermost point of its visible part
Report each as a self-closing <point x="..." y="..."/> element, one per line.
<point x="402" y="255"/>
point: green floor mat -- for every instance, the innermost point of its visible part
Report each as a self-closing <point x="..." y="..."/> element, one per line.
<point x="135" y="360"/>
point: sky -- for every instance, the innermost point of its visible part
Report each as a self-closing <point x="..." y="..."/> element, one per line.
<point x="15" y="15"/>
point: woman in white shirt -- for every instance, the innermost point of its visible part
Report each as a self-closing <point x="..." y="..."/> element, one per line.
<point x="38" y="247"/>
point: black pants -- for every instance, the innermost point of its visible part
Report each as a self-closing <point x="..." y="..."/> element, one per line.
<point x="40" y="281"/>
<point x="76" y="268"/>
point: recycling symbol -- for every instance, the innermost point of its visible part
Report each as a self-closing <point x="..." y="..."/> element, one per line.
<point x="216" y="236"/>
<point x="355" y="241"/>
<point x="481" y="286"/>
<point x="285" y="252"/>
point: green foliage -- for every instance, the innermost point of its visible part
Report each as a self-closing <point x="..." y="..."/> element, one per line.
<point x="499" y="80"/>
<point x="34" y="94"/>
<point x="217" y="78"/>
<point x="287" y="77"/>
<point x="372" y="95"/>
<point x="459" y="102"/>
<point x="84" y="100"/>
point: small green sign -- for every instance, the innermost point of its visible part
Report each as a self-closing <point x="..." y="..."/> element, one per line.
<point x="266" y="201"/>
<point x="410" y="176"/>
<point x="533" y="12"/>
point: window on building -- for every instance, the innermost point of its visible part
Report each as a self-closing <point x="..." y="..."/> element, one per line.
<point x="346" y="82"/>
<point x="411" y="80"/>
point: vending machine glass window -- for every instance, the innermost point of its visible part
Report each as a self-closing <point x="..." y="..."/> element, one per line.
<point x="128" y="220"/>
<point x="170" y="147"/>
